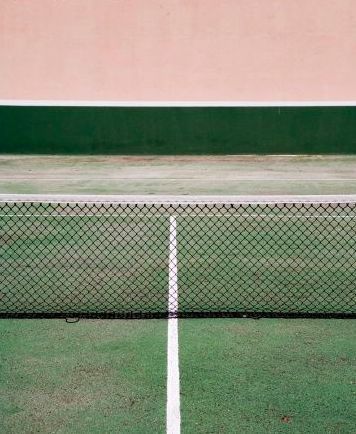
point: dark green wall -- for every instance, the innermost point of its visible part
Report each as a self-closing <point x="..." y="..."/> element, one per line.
<point x="177" y="130"/>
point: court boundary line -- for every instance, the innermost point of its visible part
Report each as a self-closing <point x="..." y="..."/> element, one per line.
<point x="173" y="385"/>
<point x="80" y="179"/>
<point x="227" y="214"/>
<point x="173" y="103"/>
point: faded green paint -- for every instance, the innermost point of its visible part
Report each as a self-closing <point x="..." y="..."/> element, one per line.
<point x="178" y="130"/>
<point x="218" y="174"/>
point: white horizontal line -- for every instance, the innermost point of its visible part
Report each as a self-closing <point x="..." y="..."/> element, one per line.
<point x="189" y="214"/>
<point x="108" y="103"/>
<point x="226" y="178"/>
<point x="180" y="199"/>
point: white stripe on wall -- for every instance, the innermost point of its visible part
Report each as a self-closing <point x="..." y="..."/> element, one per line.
<point x="93" y="103"/>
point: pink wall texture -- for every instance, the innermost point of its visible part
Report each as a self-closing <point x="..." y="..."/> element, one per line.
<point x="202" y="50"/>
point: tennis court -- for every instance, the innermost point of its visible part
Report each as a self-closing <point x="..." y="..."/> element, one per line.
<point x="114" y="256"/>
<point x="235" y="374"/>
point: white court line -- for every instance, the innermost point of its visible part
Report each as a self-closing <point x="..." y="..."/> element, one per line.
<point x="173" y="388"/>
<point x="149" y="178"/>
<point x="228" y="214"/>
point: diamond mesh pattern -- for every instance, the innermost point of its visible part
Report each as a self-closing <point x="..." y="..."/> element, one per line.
<point x="115" y="259"/>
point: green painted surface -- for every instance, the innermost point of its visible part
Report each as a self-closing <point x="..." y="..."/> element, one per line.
<point x="88" y="377"/>
<point x="179" y="130"/>
<point x="267" y="376"/>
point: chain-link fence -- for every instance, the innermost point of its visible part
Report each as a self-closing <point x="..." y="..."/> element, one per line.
<point x="145" y="257"/>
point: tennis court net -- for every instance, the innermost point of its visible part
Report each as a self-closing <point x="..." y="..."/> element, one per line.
<point x="139" y="256"/>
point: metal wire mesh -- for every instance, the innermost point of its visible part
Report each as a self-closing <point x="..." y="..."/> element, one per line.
<point x="144" y="257"/>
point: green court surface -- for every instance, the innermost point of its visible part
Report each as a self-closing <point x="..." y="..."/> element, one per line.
<point x="88" y="377"/>
<point x="236" y="375"/>
<point x="268" y="376"/>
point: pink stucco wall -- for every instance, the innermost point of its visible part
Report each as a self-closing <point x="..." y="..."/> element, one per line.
<point x="178" y="49"/>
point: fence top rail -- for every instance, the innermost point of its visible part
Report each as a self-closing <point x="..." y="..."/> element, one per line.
<point x="178" y="199"/>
